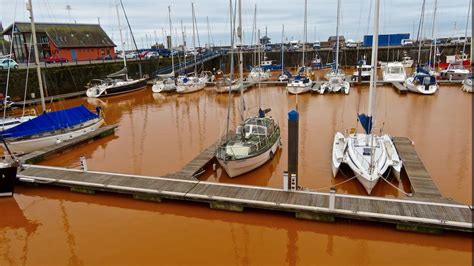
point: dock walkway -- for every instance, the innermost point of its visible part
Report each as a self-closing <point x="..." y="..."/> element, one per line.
<point x="422" y="185"/>
<point x="406" y="214"/>
<point x="400" y="88"/>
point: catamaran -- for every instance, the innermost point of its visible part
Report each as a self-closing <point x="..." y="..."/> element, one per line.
<point x="118" y="82"/>
<point x="368" y="155"/>
<point x="336" y="79"/>
<point x="302" y="81"/>
<point x="256" y="139"/>
<point x="49" y="128"/>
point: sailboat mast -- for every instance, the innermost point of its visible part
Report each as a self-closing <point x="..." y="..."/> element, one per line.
<point x="373" y="76"/>
<point x="194" y="40"/>
<point x="208" y="33"/>
<point x="282" y="49"/>
<point x="229" y="101"/>
<point x="37" y="62"/>
<point x="467" y="27"/>
<point x="121" y="41"/>
<point x="171" y="39"/>
<point x="241" y="66"/>
<point x="433" y="43"/>
<point x="420" y="30"/>
<point x="305" y="31"/>
<point x="337" y="34"/>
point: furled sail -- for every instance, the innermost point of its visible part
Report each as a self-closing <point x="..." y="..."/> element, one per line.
<point x="120" y="73"/>
<point x="366" y="122"/>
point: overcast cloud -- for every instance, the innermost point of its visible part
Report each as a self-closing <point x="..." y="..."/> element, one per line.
<point x="147" y="17"/>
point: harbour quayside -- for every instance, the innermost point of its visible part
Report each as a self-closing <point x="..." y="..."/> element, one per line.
<point x="320" y="132"/>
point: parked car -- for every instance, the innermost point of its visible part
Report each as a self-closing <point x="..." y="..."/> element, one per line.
<point x="407" y="42"/>
<point x="351" y="44"/>
<point x="56" y="59"/>
<point x="152" y="54"/>
<point x="7" y="63"/>
<point x="132" y="55"/>
<point x="106" y="57"/>
<point x="317" y="45"/>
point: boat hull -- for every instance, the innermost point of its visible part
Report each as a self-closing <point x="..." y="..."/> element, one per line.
<point x="163" y="87"/>
<point x="95" y="92"/>
<point x="238" y="167"/>
<point x="7" y="180"/>
<point x="33" y="144"/>
<point x="467" y="86"/>
<point x="190" y="88"/>
<point x="418" y="88"/>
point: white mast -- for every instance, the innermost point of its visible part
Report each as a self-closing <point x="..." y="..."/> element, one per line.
<point x="282" y="49"/>
<point x="171" y="40"/>
<point x="194" y="40"/>
<point x="305" y="29"/>
<point x="337" y="34"/>
<point x="122" y="42"/>
<point x="229" y="102"/>
<point x="37" y="62"/>
<point x="241" y="66"/>
<point x="433" y="34"/>
<point x="373" y="76"/>
<point x="208" y="33"/>
<point x="465" y="34"/>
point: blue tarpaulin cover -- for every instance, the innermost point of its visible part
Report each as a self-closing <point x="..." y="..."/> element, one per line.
<point x="366" y="122"/>
<point x="51" y="121"/>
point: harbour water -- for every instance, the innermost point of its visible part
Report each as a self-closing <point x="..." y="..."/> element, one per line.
<point x="158" y="134"/>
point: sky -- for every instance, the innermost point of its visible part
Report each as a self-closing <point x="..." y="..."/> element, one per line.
<point x="149" y="18"/>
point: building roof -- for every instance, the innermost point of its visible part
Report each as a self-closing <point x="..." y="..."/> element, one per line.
<point x="334" y="38"/>
<point x="68" y="35"/>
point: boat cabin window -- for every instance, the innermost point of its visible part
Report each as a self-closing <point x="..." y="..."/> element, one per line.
<point x="395" y="70"/>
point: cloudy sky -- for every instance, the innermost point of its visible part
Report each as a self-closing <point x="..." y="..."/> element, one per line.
<point x="149" y="18"/>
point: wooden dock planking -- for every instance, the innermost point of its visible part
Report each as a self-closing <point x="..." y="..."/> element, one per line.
<point x="196" y="165"/>
<point x="394" y="211"/>
<point x="41" y="154"/>
<point x="400" y="88"/>
<point x="421" y="182"/>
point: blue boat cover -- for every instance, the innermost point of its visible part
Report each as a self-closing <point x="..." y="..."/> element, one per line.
<point x="51" y="121"/>
<point x="366" y="122"/>
<point x="422" y="73"/>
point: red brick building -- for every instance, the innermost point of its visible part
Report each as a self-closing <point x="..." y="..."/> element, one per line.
<point x="71" y="41"/>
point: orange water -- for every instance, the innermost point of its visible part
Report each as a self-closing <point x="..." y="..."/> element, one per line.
<point x="158" y="134"/>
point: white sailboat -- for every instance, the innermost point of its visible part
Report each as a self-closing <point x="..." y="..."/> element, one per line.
<point x="256" y="139"/>
<point x="336" y="79"/>
<point x="167" y="82"/>
<point x="49" y="128"/>
<point x="302" y="82"/>
<point x="193" y="82"/>
<point x="368" y="155"/>
<point x="116" y="83"/>
<point x="467" y="83"/>
<point x="284" y="75"/>
<point x="257" y="73"/>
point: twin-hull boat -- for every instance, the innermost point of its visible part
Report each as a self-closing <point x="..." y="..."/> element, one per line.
<point x="369" y="156"/>
<point x="336" y="83"/>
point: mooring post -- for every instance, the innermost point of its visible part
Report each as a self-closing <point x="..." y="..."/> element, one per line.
<point x="332" y="198"/>
<point x="285" y="181"/>
<point x="293" y="132"/>
<point x="83" y="163"/>
<point x="359" y="72"/>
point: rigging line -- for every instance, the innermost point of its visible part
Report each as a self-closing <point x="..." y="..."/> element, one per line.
<point x="9" y="69"/>
<point x="27" y="75"/>
<point x="399" y="190"/>
<point x="335" y="185"/>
